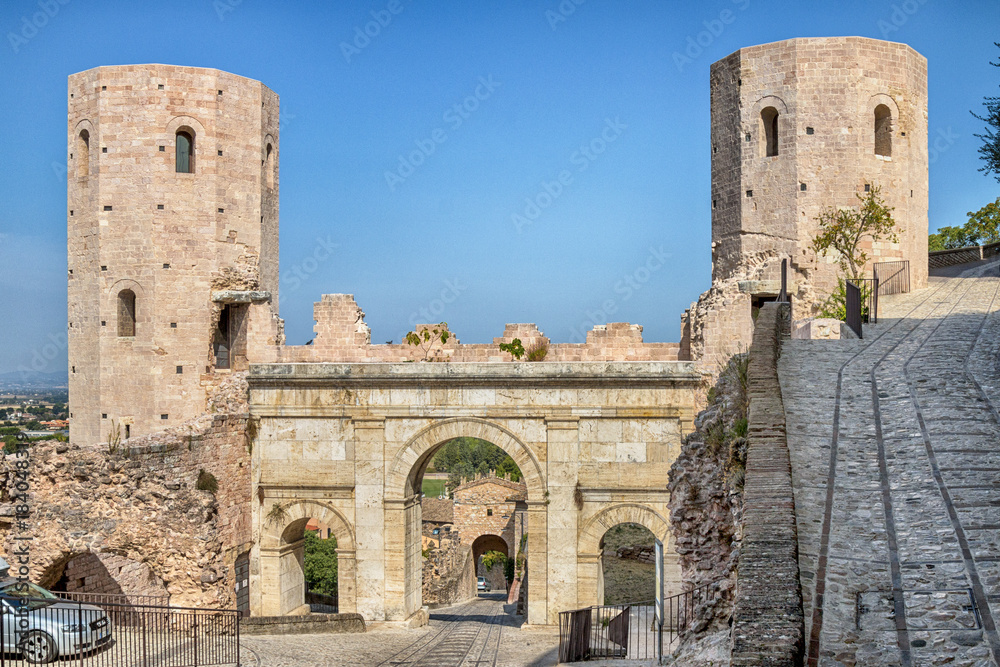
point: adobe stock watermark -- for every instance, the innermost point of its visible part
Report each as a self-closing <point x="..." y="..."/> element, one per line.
<point x="302" y="271"/>
<point x="562" y="12"/>
<point x="696" y="44"/>
<point x="625" y="289"/>
<point x="363" y="35"/>
<point x="29" y="27"/>
<point x="581" y="159"/>
<point x="43" y="355"/>
<point x="223" y="7"/>
<point x="455" y="116"/>
<point x="432" y="312"/>
<point x="941" y="143"/>
<point x="899" y="16"/>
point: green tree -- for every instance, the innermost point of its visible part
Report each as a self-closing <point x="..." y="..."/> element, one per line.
<point x="984" y="224"/>
<point x="424" y="339"/>
<point x="843" y="230"/>
<point x="989" y="152"/>
<point x="948" y="238"/>
<point x="320" y="564"/>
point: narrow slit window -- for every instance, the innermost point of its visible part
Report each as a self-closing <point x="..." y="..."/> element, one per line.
<point x="269" y="166"/>
<point x="83" y="155"/>
<point x="126" y="313"/>
<point x="769" y="119"/>
<point x="883" y="131"/>
<point x="185" y="152"/>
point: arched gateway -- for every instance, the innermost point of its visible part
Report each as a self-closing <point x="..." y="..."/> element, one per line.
<point x="348" y="444"/>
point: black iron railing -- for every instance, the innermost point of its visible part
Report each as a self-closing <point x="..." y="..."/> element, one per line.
<point x="629" y="631"/>
<point x="893" y="277"/>
<point x="116" y="634"/>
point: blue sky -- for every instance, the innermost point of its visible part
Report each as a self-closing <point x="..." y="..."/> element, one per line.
<point x="545" y="79"/>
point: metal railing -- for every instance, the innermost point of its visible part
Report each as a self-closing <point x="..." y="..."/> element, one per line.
<point x="629" y="631"/>
<point x="892" y="277"/>
<point x="114" y="634"/>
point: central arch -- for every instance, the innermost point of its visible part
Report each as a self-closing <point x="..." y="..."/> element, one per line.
<point x="591" y="574"/>
<point x="402" y="499"/>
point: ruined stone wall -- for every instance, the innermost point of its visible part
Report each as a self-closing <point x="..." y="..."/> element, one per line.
<point x="343" y="336"/>
<point x="449" y="575"/>
<point x="137" y="507"/>
<point x="135" y="223"/>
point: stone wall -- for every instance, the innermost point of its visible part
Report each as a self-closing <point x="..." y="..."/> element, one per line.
<point x="137" y="508"/>
<point x="111" y="574"/>
<point x="449" y="575"/>
<point x="942" y="258"/>
<point x="767" y="620"/>
<point x="343" y="336"/>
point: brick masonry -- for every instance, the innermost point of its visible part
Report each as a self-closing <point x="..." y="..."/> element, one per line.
<point x="767" y="626"/>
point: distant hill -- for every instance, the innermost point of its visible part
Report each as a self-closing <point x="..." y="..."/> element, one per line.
<point x="34" y="380"/>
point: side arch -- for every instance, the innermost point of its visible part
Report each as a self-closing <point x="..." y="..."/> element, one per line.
<point x="282" y="567"/>
<point x="272" y="537"/>
<point x="411" y="460"/>
<point x="593" y="531"/>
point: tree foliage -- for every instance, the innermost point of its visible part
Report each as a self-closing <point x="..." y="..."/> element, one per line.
<point x="843" y="230"/>
<point x="982" y="228"/>
<point x="321" y="564"/>
<point x="471" y="458"/>
<point x="493" y="558"/>
<point x="989" y="152"/>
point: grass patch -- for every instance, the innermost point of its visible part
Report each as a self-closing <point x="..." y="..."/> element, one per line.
<point x="432" y="488"/>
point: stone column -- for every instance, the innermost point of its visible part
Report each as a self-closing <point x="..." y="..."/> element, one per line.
<point x="590" y="580"/>
<point x="369" y="517"/>
<point x="538" y="549"/>
<point x="563" y="465"/>
<point x="346" y="584"/>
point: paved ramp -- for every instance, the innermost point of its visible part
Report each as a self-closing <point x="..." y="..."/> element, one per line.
<point x="895" y="447"/>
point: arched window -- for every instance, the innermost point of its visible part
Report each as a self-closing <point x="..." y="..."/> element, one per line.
<point x="269" y="166"/>
<point x="184" y="148"/>
<point x="769" y="119"/>
<point x="126" y="313"/>
<point x="83" y="154"/>
<point x="883" y="131"/>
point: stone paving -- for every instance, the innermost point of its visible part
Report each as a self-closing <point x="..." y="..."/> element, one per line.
<point x="895" y="449"/>
<point x="477" y="633"/>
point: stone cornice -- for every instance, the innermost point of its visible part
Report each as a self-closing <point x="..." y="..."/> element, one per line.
<point x="501" y="374"/>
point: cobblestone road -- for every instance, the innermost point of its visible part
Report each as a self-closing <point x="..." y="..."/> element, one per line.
<point x="480" y="633"/>
<point x="895" y="445"/>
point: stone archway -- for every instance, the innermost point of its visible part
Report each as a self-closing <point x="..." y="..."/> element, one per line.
<point x="402" y="500"/>
<point x="281" y="554"/>
<point x="591" y="576"/>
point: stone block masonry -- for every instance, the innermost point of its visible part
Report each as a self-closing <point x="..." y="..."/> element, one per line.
<point x="767" y="620"/>
<point x="132" y="519"/>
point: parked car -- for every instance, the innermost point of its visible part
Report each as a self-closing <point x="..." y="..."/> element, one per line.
<point x="55" y="627"/>
<point x="482" y="584"/>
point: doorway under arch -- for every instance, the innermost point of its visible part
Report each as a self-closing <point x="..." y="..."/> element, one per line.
<point x="282" y="556"/>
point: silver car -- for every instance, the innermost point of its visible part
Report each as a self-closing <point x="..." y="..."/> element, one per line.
<point x="43" y="626"/>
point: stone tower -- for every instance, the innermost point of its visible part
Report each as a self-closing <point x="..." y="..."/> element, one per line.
<point x="172" y="240"/>
<point x="799" y="126"/>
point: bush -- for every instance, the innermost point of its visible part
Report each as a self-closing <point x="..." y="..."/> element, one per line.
<point x="320" y="561"/>
<point x="207" y="482"/>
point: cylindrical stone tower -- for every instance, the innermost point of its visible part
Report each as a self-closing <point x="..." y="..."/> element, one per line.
<point x="802" y="125"/>
<point x="173" y="238"/>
